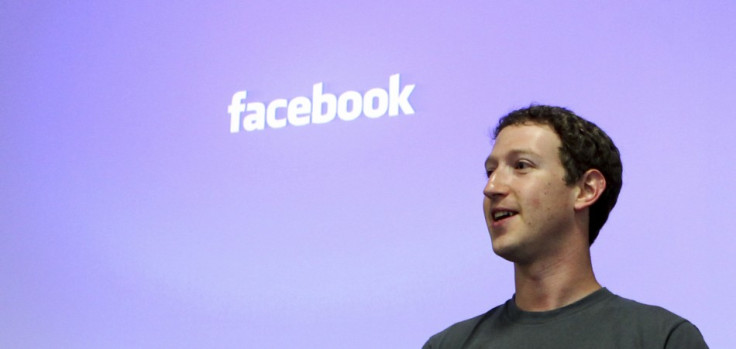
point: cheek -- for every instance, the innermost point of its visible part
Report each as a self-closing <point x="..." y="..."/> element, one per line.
<point x="536" y="202"/>
<point x="541" y="196"/>
<point x="547" y="202"/>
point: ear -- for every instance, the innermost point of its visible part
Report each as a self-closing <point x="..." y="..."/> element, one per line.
<point x="591" y="186"/>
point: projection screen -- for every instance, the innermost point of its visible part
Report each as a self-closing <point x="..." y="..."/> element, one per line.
<point x="280" y="174"/>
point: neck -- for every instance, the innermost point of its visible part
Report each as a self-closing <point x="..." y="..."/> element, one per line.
<point x="554" y="282"/>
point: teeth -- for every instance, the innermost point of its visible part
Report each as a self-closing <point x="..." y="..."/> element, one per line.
<point x="502" y="214"/>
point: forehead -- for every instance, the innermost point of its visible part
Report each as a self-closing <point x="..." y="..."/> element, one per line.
<point x="535" y="139"/>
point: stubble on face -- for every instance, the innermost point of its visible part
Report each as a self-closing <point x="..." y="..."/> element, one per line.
<point x="527" y="179"/>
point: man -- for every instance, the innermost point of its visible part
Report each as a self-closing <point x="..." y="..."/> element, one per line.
<point x="553" y="178"/>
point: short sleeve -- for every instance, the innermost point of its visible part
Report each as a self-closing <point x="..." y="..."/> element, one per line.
<point x="685" y="336"/>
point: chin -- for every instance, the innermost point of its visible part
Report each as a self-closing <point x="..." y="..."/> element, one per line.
<point x="504" y="251"/>
<point x="509" y="251"/>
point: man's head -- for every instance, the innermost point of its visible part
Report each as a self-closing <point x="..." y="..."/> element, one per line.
<point x="584" y="146"/>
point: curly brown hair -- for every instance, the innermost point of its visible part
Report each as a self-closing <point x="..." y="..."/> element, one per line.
<point x="584" y="146"/>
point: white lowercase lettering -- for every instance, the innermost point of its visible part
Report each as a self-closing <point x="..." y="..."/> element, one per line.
<point x="321" y="109"/>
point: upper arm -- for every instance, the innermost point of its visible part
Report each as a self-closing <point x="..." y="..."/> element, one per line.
<point x="685" y="336"/>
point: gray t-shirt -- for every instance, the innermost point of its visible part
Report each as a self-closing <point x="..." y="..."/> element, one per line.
<point x="601" y="320"/>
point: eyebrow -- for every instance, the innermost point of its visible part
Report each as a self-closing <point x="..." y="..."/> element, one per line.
<point x="515" y="153"/>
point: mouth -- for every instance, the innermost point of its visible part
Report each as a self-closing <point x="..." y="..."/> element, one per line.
<point x="501" y="214"/>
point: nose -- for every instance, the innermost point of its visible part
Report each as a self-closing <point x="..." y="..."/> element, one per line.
<point x="496" y="186"/>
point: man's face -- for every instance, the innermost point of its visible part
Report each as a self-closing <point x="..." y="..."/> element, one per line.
<point x="527" y="205"/>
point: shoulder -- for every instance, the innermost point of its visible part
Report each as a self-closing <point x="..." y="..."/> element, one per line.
<point x="648" y="320"/>
<point x="455" y="335"/>
<point x="641" y="313"/>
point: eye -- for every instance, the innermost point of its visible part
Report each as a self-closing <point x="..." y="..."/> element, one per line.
<point x="522" y="165"/>
<point x="490" y="166"/>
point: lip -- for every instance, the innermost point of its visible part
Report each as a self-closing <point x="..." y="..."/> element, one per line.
<point x="503" y="221"/>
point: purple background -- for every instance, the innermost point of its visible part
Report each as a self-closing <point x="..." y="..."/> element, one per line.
<point x="131" y="217"/>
